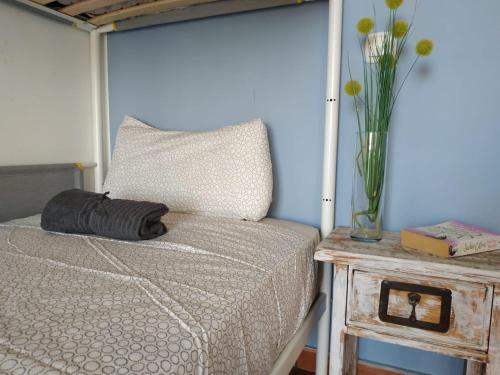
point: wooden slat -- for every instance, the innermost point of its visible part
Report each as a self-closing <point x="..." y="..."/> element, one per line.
<point x="474" y="368"/>
<point x="452" y="351"/>
<point x="350" y="354"/>
<point x="337" y="331"/>
<point x="493" y="367"/>
<point x="143" y="9"/>
<point x="216" y="8"/>
<point x="42" y="2"/>
<point x="88" y="5"/>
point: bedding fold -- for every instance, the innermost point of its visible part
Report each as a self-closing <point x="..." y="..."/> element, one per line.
<point x="82" y="212"/>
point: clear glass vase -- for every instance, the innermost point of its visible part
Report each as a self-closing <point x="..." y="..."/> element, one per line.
<point x="368" y="183"/>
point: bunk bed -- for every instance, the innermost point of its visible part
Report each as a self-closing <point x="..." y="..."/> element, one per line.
<point x="100" y="17"/>
<point x="125" y="15"/>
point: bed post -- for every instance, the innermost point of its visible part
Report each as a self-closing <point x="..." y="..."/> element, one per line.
<point x="99" y="101"/>
<point x="329" y="170"/>
<point x="95" y="79"/>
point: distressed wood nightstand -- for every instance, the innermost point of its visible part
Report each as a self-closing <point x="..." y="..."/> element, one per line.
<point x="385" y="292"/>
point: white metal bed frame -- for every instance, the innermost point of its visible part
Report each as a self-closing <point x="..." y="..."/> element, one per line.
<point x="102" y="155"/>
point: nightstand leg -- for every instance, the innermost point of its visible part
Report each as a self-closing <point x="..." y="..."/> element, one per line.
<point x="493" y="367"/>
<point x="343" y="356"/>
<point x="474" y="368"/>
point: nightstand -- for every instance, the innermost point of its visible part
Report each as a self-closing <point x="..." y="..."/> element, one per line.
<point x="385" y="292"/>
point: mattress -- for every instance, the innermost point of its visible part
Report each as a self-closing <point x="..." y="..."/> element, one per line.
<point x="212" y="296"/>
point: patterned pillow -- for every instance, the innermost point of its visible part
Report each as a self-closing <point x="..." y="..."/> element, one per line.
<point x="223" y="172"/>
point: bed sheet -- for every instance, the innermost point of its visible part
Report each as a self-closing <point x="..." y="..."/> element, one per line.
<point x="212" y="296"/>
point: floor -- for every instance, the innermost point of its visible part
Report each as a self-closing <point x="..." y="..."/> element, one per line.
<point x="296" y="371"/>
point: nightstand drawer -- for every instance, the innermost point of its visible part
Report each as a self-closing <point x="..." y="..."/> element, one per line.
<point x="433" y="310"/>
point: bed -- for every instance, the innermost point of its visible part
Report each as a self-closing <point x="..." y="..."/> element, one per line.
<point x="81" y="14"/>
<point x="213" y="295"/>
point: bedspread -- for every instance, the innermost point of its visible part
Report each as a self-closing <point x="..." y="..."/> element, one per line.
<point x="212" y="296"/>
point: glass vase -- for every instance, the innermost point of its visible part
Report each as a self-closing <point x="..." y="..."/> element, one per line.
<point x="368" y="183"/>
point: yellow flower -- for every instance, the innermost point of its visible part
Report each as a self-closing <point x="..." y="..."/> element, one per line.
<point x="393" y="4"/>
<point x="424" y="47"/>
<point x="400" y="28"/>
<point x="352" y="88"/>
<point x="365" y="25"/>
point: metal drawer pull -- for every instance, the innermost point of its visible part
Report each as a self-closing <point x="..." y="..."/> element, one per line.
<point x="413" y="300"/>
<point x="415" y="293"/>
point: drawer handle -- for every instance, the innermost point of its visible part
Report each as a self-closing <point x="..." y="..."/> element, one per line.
<point x="415" y="293"/>
<point x="413" y="300"/>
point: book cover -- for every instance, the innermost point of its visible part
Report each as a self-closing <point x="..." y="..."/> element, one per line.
<point x="450" y="239"/>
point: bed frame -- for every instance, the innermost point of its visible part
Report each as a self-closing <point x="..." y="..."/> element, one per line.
<point x="142" y="14"/>
<point x="25" y="189"/>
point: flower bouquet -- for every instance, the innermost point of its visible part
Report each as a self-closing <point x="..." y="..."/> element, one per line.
<point x="374" y="106"/>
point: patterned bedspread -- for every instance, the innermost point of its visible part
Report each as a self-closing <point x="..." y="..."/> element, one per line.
<point x="212" y="296"/>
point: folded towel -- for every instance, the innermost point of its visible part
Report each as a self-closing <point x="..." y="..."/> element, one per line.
<point x="78" y="211"/>
<point x="128" y="220"/>
<point x="70" y="210"/>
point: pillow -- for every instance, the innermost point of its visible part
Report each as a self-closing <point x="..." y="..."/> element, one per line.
<point x="223" y="172"/>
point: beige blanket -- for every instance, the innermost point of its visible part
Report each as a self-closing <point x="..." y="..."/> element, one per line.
<point x="213" y="296"/>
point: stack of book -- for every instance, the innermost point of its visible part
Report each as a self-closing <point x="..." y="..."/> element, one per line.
<point x="450" y="239"/>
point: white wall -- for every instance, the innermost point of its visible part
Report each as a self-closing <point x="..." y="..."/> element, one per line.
<point x="45" y="102"/>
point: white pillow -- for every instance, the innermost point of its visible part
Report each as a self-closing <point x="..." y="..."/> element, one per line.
<point x="224" y="172"/>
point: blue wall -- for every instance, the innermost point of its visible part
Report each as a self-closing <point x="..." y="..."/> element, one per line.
<point x="444" y="156"/>
<point x="209" y="73"/>
<point x="443" y="159"/>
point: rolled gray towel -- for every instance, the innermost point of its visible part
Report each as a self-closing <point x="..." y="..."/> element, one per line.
<point x="70" y="210"/>
<point x="83" y="212"/>
<point x="128" y="220"/>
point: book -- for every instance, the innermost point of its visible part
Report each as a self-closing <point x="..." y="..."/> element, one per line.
<point x="450" y="239"/>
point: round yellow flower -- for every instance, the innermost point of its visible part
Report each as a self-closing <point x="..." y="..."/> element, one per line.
<point x="393" y="4"/>
<point x="424" y="47"/>
<point x="352" y="88"/>
<point x="400" y="28"/>
<point x="365" y="25"/>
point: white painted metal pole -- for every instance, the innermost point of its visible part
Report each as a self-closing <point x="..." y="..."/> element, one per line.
<point x="100" y="102"/>
<point x="95" y="76"/>
<point x="106" y="137"/>
<point x="329" y="170"/>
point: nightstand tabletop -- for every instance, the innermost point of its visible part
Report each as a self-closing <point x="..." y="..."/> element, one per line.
<point x="338" y="247"/>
